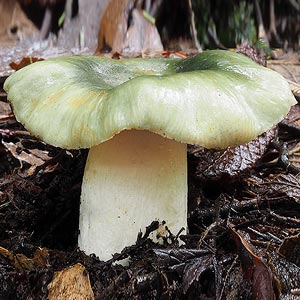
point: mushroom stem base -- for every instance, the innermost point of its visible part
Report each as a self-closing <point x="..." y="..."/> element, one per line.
<point x="129" y="181"/>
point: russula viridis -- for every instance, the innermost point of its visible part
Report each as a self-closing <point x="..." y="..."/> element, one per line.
<point x="137" y="115"/>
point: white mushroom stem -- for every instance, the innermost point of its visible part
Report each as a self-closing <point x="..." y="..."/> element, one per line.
<point x="129" y="181"/>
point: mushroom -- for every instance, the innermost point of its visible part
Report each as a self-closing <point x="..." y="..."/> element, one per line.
<point x="137" y="115"/>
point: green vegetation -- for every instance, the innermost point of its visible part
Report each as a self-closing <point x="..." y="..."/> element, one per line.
<point x="226" y="24"/>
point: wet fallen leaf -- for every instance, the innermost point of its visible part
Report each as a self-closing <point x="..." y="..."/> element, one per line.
<point x="290" y="249"/>
<point x="281" y="185"/>
<point x="287" y="273"/>
<point x="214" y="164"/>
<point x="72" y="283"/>
<point x="170" y="257"/>
<point x="256" y="272"/>
<point x="194" y="270"/>
<point x="189" y="263"/>
<point x="293" y="117"/>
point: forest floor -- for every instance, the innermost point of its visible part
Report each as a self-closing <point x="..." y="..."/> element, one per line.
<point x="244" y="218"/>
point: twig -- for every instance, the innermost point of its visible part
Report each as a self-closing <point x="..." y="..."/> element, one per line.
<point x="5" y="204"/>
<point x="227" y="275"/>
<point x="241" y="207"/>
<point x="284" y="219"/>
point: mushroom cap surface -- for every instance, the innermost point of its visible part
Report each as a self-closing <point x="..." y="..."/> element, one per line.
<point x="214" y="99"/>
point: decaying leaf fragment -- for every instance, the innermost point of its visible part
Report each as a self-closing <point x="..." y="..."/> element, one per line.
<point x="5" y="112"/>
<point x="35" y="158"/>
<point x="190" y="264"/>
<point x="290" y="249"/>
<point x="25" y="61"/>
<point x="23" y="263"/>
<point x="281" y="185"/>
<point x="255" y="271"/>
<point x="288" y="275"/>
<point x="194" y="270"/>
<point x="72" y="283"/>
<point x="214" y="164"/>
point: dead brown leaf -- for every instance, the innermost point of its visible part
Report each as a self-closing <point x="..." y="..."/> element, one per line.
<point x="27" y="60"/>
<point x="194" y="270"/>
<point x="290" y="249"/>
<point x="214" y="164"/>
<point x="255" y="270"/>
<point x="72" y="283"/>
<point x="278" y="185"/>
<point x="23" y="263"/>
<point x="293" y="116"/>
<point x="5" y="108"/>
<point x="34" y="157"/>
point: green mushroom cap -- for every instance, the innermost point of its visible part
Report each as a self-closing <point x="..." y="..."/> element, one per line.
<point x="214" y="99"/>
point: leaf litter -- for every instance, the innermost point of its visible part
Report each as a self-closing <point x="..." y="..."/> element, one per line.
<point x="244" y="217"/>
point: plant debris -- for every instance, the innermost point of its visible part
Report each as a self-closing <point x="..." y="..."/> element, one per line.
<point x="71" y="283"/>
